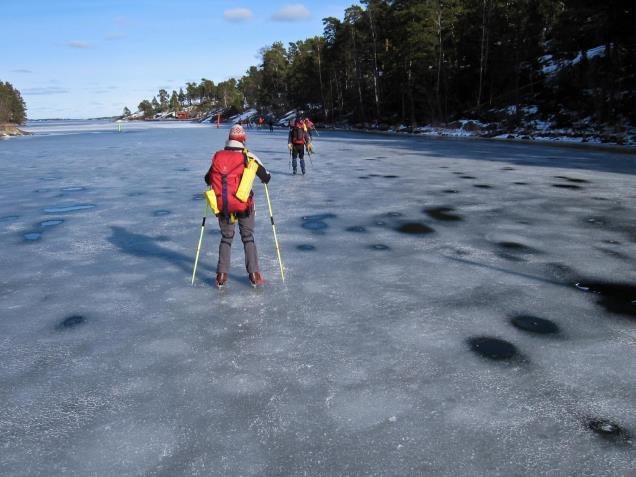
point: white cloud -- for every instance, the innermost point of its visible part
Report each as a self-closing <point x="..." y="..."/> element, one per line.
<point x="296" y="12"/>
<point x="78" y="44"/>
<point x="237" y="15"/>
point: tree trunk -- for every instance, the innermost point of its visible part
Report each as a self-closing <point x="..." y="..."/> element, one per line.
<point x="409" y="77"/>
<point x="483" y="53"/>
<point x="376" y="92"/>
<point x="439" y="60"/>
<point x="322" y="94"/>
<point x="357" y="74"/>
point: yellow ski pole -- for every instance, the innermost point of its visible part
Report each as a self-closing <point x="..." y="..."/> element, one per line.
<point x="271" y="218"/>
<point x="309" y="153"/>
<point x="196" y="260"/>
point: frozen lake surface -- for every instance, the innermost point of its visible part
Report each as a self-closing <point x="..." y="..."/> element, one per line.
<point x="430" y="323"/>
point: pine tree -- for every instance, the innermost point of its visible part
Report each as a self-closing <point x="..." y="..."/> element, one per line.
<point x="12" y="106"/>
<point x="174" y="102"/>
<point x="163" y="100"/>
<point x="146" y="107"/>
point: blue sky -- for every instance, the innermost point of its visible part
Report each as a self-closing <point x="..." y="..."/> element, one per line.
<point x="90" y="58"/>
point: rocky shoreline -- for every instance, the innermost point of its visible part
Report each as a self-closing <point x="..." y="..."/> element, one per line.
<point x="8" y="130"/>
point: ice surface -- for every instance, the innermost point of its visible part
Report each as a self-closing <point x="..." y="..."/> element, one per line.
<point x="466" y="350"/>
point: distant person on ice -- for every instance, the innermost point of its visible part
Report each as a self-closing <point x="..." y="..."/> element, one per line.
<point x="230" y="176"/>
<point x="296" y="142"/>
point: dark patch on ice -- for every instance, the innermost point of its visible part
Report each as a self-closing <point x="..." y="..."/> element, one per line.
<point x="182" y="169"/>
<point x="482" y="186"/>
<point x="379" y="246"/>
<point x="319" y="217"/>
<point x="163" y="238"/>
<point x="32" y="236"/>
<point x="534" y="324"/>
<point x="134" y="194"/>
<point x="516" y="247"/>
<point x="442" y="167"/>
<point x="457" y="173"/>
<point x="511" y="257"/>
<point x="619" y="298"/>
<point x="50" y="178"/>
<point x="9" y="218"/>
<point x="356" y="228"/>
<point x="305" y="247"/>
<point x="520" y="183"/>
<point x="613" y="242"/>
<point x="613" y="253"/>
<point x="198" y="196"/>
<point x="394" y="214"/>
<point x="508" y="168"/>
<point x="443" y="213"/>
<point x="71" y="322"/>
<point x="315" y="225"/>
<point x="363" y="177"/>
<point x="566" y="186"/>
<point x="467" y="177"/>
<point x="68" y="208"/>
<point x="375" y="175"/>
<point x="161" y="212"/>
<point x="492" y="348"/>
<point x="391" y="176"/>
<point x="609" y="430"/>
<point x="51" y="223"/>
<point x="573" y="179"/>
<point x="73" y="189"/>
<point x="415" y="228"/>
<point x="450" y="191"/>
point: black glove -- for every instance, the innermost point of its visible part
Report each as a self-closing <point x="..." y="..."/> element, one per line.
<point x="267" y="178"/>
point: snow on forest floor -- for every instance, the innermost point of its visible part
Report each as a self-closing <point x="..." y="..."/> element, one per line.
<point x="451" y="307"/>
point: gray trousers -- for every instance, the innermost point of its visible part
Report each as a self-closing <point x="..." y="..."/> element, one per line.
<point x="298" y="150"/>
<point x="246" y="229"/>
